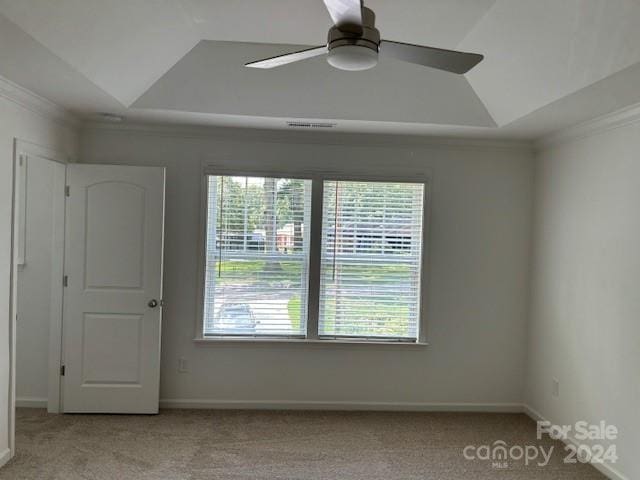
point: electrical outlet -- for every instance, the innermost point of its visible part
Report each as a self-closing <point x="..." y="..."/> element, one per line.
<point x="555" y="387"/>
<point x="183" y="366"/>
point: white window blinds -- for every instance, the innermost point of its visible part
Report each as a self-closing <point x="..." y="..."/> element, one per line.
<point x="257" y="256"/>
<point x="371" y="260"/>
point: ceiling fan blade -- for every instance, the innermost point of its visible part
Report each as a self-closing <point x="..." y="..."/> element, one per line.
<point x="346" y="14"/>
<point x="448" y="60"/>
<point x="279" y="60"/>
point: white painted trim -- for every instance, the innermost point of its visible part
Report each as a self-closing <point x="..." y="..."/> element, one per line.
<point x="57" y="290"/>
<point x="604" y="123"/>
<point x="304" y="138"/>
<point x="13" y="301"/>
<point x="189" y="403"/>
<point x="213" y="341"/>
<point x="604" y="468"/>
<point x="5" y="456"/>
<point x="31" y="402"/>
<point x="35" y="103"/>
<point x="36" y="150"/>
<point x="21" y="207"/>
<point x="202" y="257"/>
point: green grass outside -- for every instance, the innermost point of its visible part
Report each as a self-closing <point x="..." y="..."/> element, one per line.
<point x="294" y="309"/>
<point x="234" y="271"/>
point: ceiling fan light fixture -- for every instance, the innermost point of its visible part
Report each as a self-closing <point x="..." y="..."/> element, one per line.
<point x="352" y="57"/>
<point x="354" y="41"/>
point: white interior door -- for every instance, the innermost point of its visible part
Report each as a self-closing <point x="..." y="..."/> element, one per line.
<point x="112" y="299"/>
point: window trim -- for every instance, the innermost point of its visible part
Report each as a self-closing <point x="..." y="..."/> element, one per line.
<point x="318" y="177"/>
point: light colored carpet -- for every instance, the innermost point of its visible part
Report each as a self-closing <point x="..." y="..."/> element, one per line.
<point x="198" y="445"/>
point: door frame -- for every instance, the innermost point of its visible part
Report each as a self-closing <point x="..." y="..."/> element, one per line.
<point x="25" y="148"/>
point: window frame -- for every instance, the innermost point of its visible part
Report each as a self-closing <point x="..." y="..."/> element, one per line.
<point x="317" y="177"/>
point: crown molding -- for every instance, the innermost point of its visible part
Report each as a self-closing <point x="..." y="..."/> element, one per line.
<point x="35" y="103"/>
<point x="604" y="123"/>
<point x="297" y="137"/>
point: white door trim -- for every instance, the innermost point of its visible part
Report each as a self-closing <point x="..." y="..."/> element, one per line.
<point x="22" y="147"/>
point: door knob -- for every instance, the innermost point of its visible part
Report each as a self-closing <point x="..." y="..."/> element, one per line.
<point x="153" y="303"/>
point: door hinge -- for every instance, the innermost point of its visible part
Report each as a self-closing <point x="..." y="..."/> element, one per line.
<point x="62" y="370"/>
<point x="67" y="190"/>
<point x="65" y="281"/>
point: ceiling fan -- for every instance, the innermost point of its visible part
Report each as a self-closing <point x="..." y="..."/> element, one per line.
<point x="354" y="44"/>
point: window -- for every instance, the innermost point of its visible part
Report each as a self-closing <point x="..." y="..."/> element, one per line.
<point x="257" y="256"/>
<point x="361" y="280"/>
<point x="371" y="257"/>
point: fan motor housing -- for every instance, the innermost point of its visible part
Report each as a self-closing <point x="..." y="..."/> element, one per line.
<point x="369" y="38"/>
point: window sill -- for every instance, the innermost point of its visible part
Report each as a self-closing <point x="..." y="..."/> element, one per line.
<point x="253" y="341"/>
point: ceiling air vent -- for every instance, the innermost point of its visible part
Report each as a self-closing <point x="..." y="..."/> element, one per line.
<point x="311" y="124"/>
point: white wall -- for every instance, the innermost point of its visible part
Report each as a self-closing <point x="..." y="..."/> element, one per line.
<point x="585" y="313"/>
<point x="478" y="291"/>
<point x="17" y="121"/>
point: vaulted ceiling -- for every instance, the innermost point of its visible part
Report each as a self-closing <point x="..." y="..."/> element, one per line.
<point x="548" y="63"/>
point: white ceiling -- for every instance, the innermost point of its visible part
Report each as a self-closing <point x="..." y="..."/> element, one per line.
<point x="546" y="62"/>
<point x="123" y="46"/>
<point x="439" y="22"/>
<point x="312" y="89"/>
<point x="543" y="50"/>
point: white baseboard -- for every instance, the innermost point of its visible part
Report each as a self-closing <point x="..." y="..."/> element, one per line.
<point x="31" y="402"/>
<point x="603" y="468"/>
<point x="5" y="456"/>
<point x="340" y="405"/>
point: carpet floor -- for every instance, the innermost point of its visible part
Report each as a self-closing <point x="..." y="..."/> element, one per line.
<point x="264" y="445"/>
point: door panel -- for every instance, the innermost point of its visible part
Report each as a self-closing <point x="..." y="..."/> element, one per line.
<point x="113" y="261"/>
<point x="100" y="333"/>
